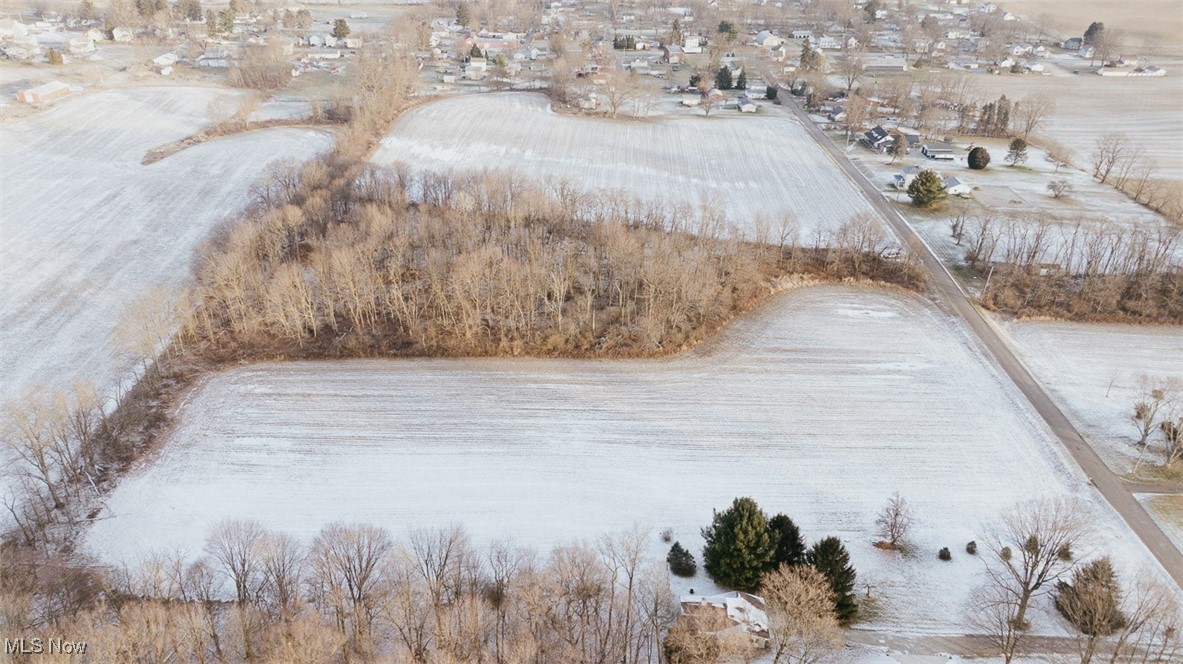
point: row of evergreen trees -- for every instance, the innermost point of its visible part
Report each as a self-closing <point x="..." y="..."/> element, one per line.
<point x="743" y="545"/>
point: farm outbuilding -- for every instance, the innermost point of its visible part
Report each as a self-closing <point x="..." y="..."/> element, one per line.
<point x="43" y="93"/>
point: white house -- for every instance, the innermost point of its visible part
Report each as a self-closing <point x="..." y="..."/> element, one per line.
<point x="955" y="187"/>
<point x="692" y="44"/>
<point x="802" y="35"/>
<point x="746" y="105"/>
<point x="767" y="39"/>
<point x="828" y="42"/>
<point x="727" y="613"/>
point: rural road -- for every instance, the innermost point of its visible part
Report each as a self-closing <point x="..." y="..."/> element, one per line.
<point x="957" y="301"/>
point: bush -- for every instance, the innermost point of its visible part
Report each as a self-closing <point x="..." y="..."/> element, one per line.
<point x="972" y="548"/>
<point x="667" y="535"/>
<point x="979" y="158"/>
<point x="681" y="561"/>
<point x="1016" y="152"/>
<point x="770" y="92"/>
<point x="945" y="554"/>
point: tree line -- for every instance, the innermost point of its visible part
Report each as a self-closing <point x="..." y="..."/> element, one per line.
<point x="1082" y="270"/>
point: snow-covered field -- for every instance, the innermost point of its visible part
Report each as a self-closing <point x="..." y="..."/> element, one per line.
<point x="1093" y="372"/>
<point x="821" y="404"/>
<point x="87" y="229"/>
<point x="1149" y="111"/>
<point x="746" y="164"/>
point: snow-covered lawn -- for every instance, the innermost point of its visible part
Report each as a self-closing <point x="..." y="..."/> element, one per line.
<point x="747" y="165"/>
<point x="821" y="404"/>
<point x="87" y="229"/>
<point x="1093" y="373"/>
<point x="1168" y="512"/>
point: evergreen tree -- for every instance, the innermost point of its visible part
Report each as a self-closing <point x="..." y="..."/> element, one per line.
<point x="1092" y="601"/>
<point x="727" y="29"/>
<point x="871" y="8"/>
<point x="463" y="14"/>
<point x="211" y="21"/>
<point x="226" y="20"/>
<point x="55" y="57"/>
<point x="739" y="547"/>
<point x="190" y="10"/>
<point x="831" y="559"/>
<point x="676" y="32"/>
<point x="741" y="83"/>
<point x="926" y="188"/>
<point x="340" y="29"/>
<point x="979" y="158"/>
<point x="1016" y="153"/>
<point x="681" y="561"/>
<point x="810" y="59"/>
<point x="1094" y="30"/>
<point x="790" y="548"/>
<point x="1002" y="117"/>
<point x="770" y="92"/>
<point x="986" y="119"/>
<point x="723" y="78"/>
<point x="695" y="79"/>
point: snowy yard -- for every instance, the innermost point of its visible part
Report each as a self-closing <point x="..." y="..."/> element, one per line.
<point x="87" y="229"/>
<point x="820" y="405"/>
<point x="1093" y="370"/>
<point x="747" y="166"/>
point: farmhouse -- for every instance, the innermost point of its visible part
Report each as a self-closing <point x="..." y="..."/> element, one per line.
<point x="43" y="93"/>
<point x="937" y="151"/>
<point x="727" y="613"/>
<point x="876" y="138"/>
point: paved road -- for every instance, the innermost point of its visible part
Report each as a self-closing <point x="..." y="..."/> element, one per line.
<point x="955" y="300"/>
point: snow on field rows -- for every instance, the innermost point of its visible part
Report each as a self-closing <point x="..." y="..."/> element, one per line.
<point x="1093" y="372"/>
<point x="87" y="229"/>
<point x="748" y="165"/>
<point x="820" y="405"/>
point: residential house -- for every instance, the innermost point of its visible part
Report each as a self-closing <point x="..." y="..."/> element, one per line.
<point x="904" y="178"/>
<point x="937" y="151"/>
<point x="1072" y="43"/>
<point x="727" y="613"/>
<point x="673" y="54"/>
<point x="766" y="39"/>
<point x="746" y="105"/>
<point x="802" y="35"/>
<point x="955" y="187"/>
<point x="692" y="44"/>
<point x="829" y="43"/>
<point x="876" y="138"/>
<point x="885" y="63"/>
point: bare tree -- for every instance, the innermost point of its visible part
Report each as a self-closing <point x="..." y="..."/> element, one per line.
<point x="995" y="612"/>
<point x="1108" y="152"/>
<point x="1148" y="406"/>
<point x="1058" y="188"/>
<point x="802" y="626"/>
<point x="1033" y="545"/>
<point x="895" y="521"/>
<point x="1029" y="113"/>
